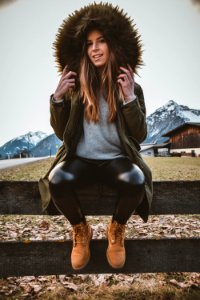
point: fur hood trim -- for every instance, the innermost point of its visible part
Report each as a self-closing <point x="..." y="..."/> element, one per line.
<point x="117" y="28"/>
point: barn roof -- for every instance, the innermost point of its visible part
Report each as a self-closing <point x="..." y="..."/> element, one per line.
<point x="181" y="127"/>
<point x="145" y="147"/>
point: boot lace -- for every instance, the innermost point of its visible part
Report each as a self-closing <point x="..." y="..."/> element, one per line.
<point x="79" y="234"/>
<point x="118" y="233"/>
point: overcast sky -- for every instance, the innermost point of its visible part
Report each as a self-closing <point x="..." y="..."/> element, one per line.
<point x="170" y="31"/>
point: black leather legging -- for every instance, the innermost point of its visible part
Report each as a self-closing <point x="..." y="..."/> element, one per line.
<point x="126" y="177"/>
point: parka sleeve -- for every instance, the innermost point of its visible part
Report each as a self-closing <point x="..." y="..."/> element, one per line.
<point x="134" y="114"/>
<point x="59" y="115"/>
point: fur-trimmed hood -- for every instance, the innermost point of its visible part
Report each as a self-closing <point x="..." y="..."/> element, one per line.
<point x="117" y="28"/>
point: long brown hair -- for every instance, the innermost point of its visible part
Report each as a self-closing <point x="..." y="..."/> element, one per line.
<point x="92" y="83"/>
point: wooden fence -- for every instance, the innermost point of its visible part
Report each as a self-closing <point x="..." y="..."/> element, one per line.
<point x="18" y="258"/>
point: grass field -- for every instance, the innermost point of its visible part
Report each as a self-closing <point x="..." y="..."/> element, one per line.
<point x="163" y="168"/>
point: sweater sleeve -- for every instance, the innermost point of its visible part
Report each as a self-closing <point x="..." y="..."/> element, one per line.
<point x="59" y="114"/>
<point x="134" y="114"/>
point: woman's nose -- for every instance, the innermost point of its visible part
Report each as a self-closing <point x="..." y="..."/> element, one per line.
<point x="95" y="46"/>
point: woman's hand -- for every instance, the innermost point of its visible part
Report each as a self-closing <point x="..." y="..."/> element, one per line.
<point x="67" y="81"/>
<point x="126" y="81"/>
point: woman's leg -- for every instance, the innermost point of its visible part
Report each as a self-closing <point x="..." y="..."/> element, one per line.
<point x="129" y="180"/>
<point x="63" y="180"/>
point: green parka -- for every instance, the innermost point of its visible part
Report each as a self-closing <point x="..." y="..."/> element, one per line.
<point x="67" y="118"/>
<point x="67" y="122"/>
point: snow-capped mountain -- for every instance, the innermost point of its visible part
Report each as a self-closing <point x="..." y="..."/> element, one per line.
<point x="47" y="147"/>
<point x="168" y="117"/>
<point x="24" y="142"/>
<point x="33" y="138"/>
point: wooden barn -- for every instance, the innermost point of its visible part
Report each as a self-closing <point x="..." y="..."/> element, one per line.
<point x="185" y="139"/>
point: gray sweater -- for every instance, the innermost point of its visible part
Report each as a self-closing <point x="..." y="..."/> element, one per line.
<point x="100" y="140"/>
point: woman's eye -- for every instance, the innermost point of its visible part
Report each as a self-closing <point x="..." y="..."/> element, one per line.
<point x="101" y="40"/>
<point x="89" y="44"/>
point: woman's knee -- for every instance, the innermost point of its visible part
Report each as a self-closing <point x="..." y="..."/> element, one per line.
<point x="134" y="177"/>
<point x="58" y="176"/>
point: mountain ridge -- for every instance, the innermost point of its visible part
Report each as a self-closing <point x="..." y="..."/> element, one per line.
<point x="168" y="117"/>
<point x="23" y="143"/>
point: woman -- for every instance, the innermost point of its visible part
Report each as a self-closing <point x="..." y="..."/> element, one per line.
<point x="99" y="113"/>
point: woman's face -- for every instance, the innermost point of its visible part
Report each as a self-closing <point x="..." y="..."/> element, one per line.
<point x="97" y="48"/>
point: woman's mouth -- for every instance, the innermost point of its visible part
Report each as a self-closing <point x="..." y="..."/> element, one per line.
<point x="97" y="56"/>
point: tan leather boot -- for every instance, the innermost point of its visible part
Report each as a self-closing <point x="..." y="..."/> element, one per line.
<point x="116" y="254"/>
<point x="80" y="256"/>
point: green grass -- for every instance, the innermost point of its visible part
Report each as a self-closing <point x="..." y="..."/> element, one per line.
<point x="30" y="171"/>
<point x="163" y="168"/>
<point x="174" y="168"/>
